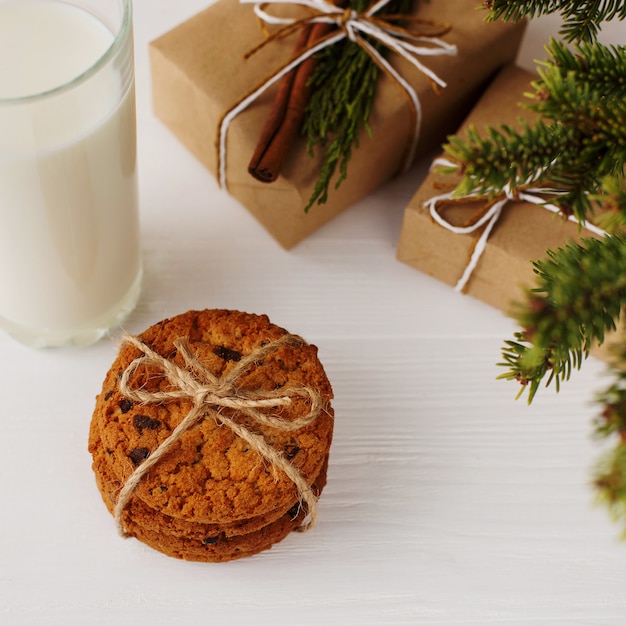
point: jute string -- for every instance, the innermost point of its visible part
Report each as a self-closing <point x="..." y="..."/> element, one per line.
<point x="353" y="26"/>
<point x="494" y="207"/>
<point x="209" y="395"/>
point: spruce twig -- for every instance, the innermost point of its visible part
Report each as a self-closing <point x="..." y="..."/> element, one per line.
<point x="578" y="143"/>
<point x="580" y="292"/>
<point x="582" y="18"/>
<point x="610" y="472"/>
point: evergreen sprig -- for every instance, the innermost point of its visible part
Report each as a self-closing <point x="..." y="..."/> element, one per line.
<point x="581" y="18"/>
<point x="610" y="482"/>
<point x="580" y="292"/>
<point x="344" y="89"/>
<point x="610" y="472"/>
<point x="504" y="156"/>
<point x="578" y="143"/>
<point x="602" y="68"/>
<point x="613" y="201"/>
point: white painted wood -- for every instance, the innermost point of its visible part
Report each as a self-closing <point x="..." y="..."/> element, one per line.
<point x="448" y="503"/>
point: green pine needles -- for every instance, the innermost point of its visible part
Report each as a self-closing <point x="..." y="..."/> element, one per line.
<point x="582" y="18"/>
<point x="345" y="86"/>
<point x="580" y="291"/>
<point x="578" y="149"/>
<point x="610" y="472"/>
<point x="579" y="142"/>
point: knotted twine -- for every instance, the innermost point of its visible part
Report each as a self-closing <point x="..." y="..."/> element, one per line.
<point x="209" y="395"/>
<point x="352" y="25"/>
<point x="532" y="195"/>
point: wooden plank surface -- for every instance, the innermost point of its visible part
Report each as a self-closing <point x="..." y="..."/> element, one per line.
<point x="447" y="502"/>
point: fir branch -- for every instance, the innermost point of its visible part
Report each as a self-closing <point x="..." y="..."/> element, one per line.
<point x="612" y="420"/>
<point x="610" y="482"/>
<point x="577" y="144"/>
<point x="585" y="90"/>
<point x="554" y="155"/>
<point x="582" y="18"/>
<point x="504" y="156"/>
<point x="345" y="86"/>
<point x="613" y="200"/>
<point x="610" y="472"/>
<point x="602" y="68"/>
<point x="580" y="292"/>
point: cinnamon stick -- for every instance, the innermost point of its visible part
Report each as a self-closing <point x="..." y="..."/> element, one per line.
<point x="285" y="118"/>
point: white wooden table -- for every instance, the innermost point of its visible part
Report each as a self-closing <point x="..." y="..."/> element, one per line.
<point x="447" y="502"/>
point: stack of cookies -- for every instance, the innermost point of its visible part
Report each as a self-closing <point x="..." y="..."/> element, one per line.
<point x="211" y="434"/>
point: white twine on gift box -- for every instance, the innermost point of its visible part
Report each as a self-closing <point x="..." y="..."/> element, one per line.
<point x="532" y="195"/>
<point x="352" y="26"/>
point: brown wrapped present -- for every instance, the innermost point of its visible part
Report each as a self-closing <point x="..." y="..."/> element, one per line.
<point x="493" y="266"/>
<point x="199" y="74"/>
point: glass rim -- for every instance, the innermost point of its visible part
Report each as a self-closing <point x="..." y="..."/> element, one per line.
<point x="124" y="28"/>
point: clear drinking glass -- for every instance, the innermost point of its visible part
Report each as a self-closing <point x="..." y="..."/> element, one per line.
<point x="70" y="263"/>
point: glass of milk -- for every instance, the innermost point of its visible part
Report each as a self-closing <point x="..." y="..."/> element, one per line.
<point x="70" y="265"/>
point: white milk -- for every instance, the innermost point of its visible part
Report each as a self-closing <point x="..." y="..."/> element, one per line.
<point x="69" y="233"/>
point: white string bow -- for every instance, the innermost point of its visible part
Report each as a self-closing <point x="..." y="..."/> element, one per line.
<point x="532" y="195"/>
<point x="352" y="25"/>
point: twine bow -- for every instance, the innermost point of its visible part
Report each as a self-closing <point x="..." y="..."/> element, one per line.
<point x="532" y="195"/>
<point x="209" y="395"/>
<point x="352" y="25"/>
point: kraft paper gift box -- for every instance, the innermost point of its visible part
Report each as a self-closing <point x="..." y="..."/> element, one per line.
<point x="199" y="73"/>
<point x="521" y="235"/>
